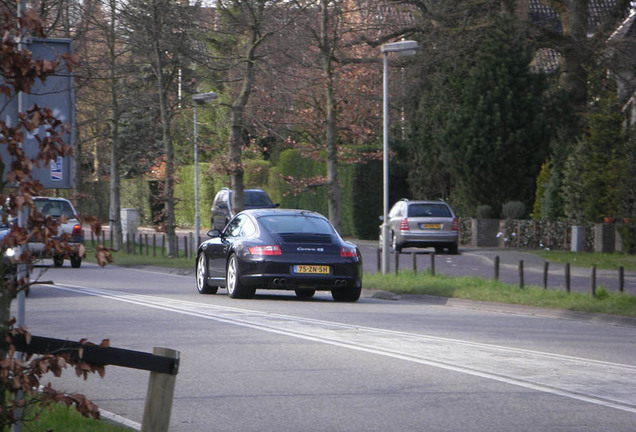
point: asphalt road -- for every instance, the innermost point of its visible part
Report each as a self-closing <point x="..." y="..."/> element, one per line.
<point x="279" y="363"/>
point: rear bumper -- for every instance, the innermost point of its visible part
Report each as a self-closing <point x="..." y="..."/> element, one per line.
<point x="281" y="276"/>
<point x="406" y="239"/>
<point x="39" y="249"/>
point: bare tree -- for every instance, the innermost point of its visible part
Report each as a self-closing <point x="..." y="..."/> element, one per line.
<point x="161" y="35"/>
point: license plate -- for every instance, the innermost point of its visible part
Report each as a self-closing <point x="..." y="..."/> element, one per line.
<point x="311" y="269"/>
<point x="431" y="226"/>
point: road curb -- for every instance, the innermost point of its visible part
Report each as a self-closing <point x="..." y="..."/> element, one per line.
<point x="503" y="308"/>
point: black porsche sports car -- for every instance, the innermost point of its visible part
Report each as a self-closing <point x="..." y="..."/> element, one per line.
<point x="279" y="249"/>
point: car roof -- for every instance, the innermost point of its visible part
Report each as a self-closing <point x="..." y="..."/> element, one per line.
<point x="281" y="212"/>
<point x="42" y="198"/>
<point x="426" y="202"/>
<point x="244" y="190"/>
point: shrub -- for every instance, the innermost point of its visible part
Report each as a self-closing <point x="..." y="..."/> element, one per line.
<point x="513" y="210"/>
<point x="484" y="212"/>
<point x="628" y="237"/>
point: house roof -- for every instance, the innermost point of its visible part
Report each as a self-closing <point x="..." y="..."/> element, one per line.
<point x="545" y="16"/>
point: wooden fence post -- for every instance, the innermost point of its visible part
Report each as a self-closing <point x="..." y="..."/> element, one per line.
<point x="496" y="275"/>
<point x="621" y="279"/>
<point x="567" y="277"/>
<point x="414" y="261"/>
<point x="593" y="281"/>
<point x="433" y="264"/>
<point x="159" y="398"/>
<point x="546" y="267"/>
<point x="521" y="280"/>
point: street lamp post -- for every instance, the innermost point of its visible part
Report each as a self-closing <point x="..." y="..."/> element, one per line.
<point x="197" y="99"/>
<point x="403" y="48"/>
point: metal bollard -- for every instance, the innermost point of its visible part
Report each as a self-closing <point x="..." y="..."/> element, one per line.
<point x="396" y="254"/>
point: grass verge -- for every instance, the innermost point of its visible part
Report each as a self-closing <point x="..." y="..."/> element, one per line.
<point x="608" y="261"/>
<point x="475" y="288"/>
<point x="60" y="418"/>
<point x="151" y="258"/>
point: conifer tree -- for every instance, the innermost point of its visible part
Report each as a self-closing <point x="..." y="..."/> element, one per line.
<point x="498" y="138"/>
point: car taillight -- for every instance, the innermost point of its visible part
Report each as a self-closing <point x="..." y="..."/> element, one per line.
<point x="77" y="230"/>
<point x="348" y="252"/>
<point x="265" y="250"/>
<point x="455" y="225"/>
<point x="404" y="225"/>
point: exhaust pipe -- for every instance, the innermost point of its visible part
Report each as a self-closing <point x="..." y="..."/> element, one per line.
<point x="341" y="282"/>
<point x="279" y="281"/>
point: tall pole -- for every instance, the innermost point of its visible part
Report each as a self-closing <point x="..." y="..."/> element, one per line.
<point x="385" y="168"/>
<point x="197" y="99"/>
<point x="197" y="222"/>
<point x="403" y="48"/>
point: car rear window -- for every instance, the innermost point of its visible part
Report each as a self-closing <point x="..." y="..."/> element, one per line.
<point x="295" y="224"/>
<point x="54" y="208"/>
<point x="257" y="199"/>
<point x="428" y="210"/>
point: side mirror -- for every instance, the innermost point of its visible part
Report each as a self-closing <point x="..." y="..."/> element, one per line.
<point x="222" y="206"/>
<point x="214" y="233"/>
<point x="276" y="205"/>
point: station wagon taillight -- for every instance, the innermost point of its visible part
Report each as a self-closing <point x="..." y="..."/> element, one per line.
<point x="455" y="225"/>
<point x="404" y="225"/>
<point x="265" y="250"/>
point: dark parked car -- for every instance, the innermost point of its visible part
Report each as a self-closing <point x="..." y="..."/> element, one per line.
<point x="279" y="249"/>
<point x="423" y="224"/>
<point x="222" y="211"/>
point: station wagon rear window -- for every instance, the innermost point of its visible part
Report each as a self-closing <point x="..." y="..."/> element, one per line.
<point x="428" y="210"/>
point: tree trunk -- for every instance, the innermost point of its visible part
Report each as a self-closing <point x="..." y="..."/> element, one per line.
<point x="575" y="52"/>
<point x="168" y="191"/>
<point x="333" y="184"/>
<point x="115" y="209"/>
<point x="238" y="109"/>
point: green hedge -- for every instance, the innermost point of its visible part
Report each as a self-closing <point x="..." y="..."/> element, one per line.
<point x="367" y="199"/>
<point x="184" y="194"/>
<point x="361" y="197"/>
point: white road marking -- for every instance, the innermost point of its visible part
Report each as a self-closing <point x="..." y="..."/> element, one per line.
<point x="603" y="383"/>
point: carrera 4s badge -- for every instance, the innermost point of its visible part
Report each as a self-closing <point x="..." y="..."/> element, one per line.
<point x="306" y="249"/>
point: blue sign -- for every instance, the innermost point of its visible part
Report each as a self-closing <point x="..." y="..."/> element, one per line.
<point x="57" y="94"/>
<point x="57" y="169"/>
